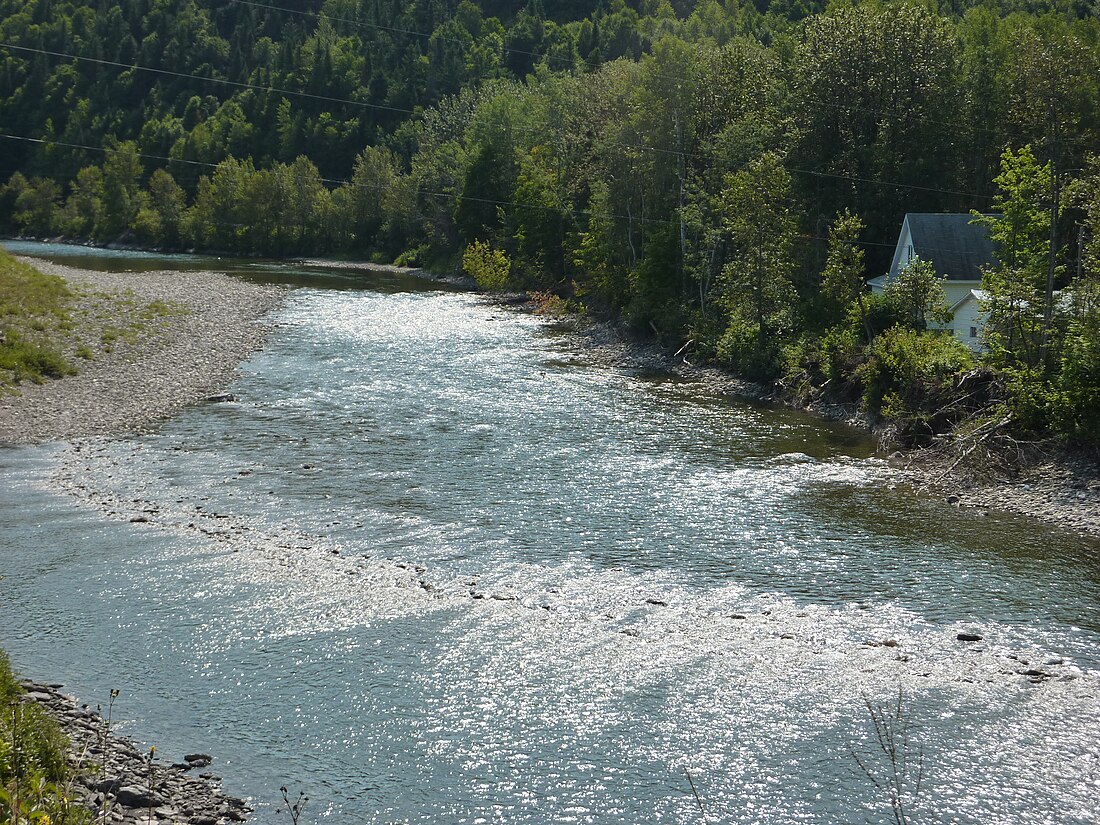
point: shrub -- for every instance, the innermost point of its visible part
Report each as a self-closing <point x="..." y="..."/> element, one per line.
<point x="910" y="376"/>
<point x="739" y="347"/>
<point x="489" y="267"/>
<point x="22" y="360"/>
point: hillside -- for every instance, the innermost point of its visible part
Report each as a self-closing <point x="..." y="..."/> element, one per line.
<point x="722" y="175"/>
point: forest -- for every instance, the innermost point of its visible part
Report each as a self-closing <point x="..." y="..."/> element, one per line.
<point x="723" y="175"/>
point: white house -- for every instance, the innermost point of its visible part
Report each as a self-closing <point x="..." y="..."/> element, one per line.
<point x="957" y="249"/>
<point x="968" y="316"/>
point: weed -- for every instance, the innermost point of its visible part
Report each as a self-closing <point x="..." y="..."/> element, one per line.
<point x="293" y="808"/>
<point x="104" y="737"/>
<point x="898" y="777"/>
<point x="22" y="360"/>
<point x="695" y="793"/>
<point x="152" y="782"/>
<point x="36" y="782"/>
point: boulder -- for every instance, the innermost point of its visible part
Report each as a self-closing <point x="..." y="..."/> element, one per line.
<point x="131" y="796"/>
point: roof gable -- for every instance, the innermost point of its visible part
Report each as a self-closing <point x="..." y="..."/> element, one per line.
<point x="956" y="247"/>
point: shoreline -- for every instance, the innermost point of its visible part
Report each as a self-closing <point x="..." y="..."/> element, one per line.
<point x="187" y="335"/>
<point x="117" y="778"/>
<point x="181" y="355"/>
<point x="603" y="343"/>
<point x="188" y="357"/>
<point x="1059" y="490"/>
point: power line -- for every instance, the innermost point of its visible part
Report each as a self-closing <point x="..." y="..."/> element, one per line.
<point x="897" y="114"/>
<point x="219" y="80"/>
<point x="638" y="147"/>
<point x="843" y="107"/>
<point x="340" y="182"/>
<point x="392" y="29"/>
<point x="561" y="212"/>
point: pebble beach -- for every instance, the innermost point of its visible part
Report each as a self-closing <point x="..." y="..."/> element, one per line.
<point x="206" y="324"/>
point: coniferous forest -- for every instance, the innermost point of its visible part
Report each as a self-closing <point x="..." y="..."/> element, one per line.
<point x="723" y="175"/>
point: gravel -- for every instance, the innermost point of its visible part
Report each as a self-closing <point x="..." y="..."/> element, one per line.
<point x="120" y="784"/>
<point x="1062" y="491"/>
<point x="184" y="334"/>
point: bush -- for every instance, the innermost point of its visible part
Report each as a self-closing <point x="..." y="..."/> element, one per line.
<point x="24" y="291"/>
<point x="910" y="376"/>
<point x="739" y="348"/>
<point x="1078" y="414"/>
<point x="489" y="267"/>
<point x="22" y="360"/>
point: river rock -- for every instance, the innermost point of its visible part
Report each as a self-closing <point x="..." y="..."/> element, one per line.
<point x="131" y="796"/>
<point x="108" y="785"/>
<point x="123" y="785"/>
<point x="968" y="637"/>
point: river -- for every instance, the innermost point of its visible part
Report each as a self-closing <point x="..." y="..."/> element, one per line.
<point x="439" y="565"/>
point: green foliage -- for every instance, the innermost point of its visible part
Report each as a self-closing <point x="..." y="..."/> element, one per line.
<point x="30" y="302"/>
<point x="1078" y="412"/>
<point x="676" y="164"/>
<point x="654" y="286"/>
<point x="24" y="291"/>
<point x="602" y="274"/>
<point x="910" y="374"/>
<point x="122" y="173"/>
<point x="831" y="361"/>
<point x="22" y="360"/>
<point x="34" y="770"/>
<point x="36" y="210"/>
<point x="1016" y="285"/>
<point x="917" y="295"/>
<point x="843" y="281"/>
<point x="489" y="267"/>
<point x="756" y="288"/>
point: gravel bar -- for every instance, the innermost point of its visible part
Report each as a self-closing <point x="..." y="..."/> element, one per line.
<point x="179" y="357"/>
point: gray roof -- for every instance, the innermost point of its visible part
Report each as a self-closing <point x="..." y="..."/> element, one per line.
<point x="956" y="247"/>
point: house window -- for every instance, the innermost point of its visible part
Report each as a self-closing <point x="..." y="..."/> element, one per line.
<point x="973" y="332"/>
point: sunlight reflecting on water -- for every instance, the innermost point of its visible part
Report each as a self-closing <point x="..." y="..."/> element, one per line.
<point x="437" y="567"/>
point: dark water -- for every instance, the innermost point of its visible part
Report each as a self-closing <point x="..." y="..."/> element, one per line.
<point x="437" y="566"/>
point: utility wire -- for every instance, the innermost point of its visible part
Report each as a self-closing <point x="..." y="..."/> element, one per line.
<point x="219" y="80"/>
<point x="638" y="147"/>
<point x="365" y="24"/>
<point x="631" y="219"/>
<point x="844" y="107"/>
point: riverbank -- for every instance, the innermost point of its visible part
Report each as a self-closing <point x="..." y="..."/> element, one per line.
<point x="1055" y="486"/>
<point x="145" y="345"/>
<point x="115" y="776"/>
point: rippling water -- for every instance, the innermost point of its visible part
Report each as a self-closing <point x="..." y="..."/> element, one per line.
<point x="437" y="566"/>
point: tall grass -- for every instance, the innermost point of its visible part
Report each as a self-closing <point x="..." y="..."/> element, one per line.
<point x="31" y="304"/>
<point x="35" y="776"/>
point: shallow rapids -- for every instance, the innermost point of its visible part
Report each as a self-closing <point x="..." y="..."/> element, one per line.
<point x="438" y="565"/>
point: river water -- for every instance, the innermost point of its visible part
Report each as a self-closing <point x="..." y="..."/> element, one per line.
<point x="438" y="565"/>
